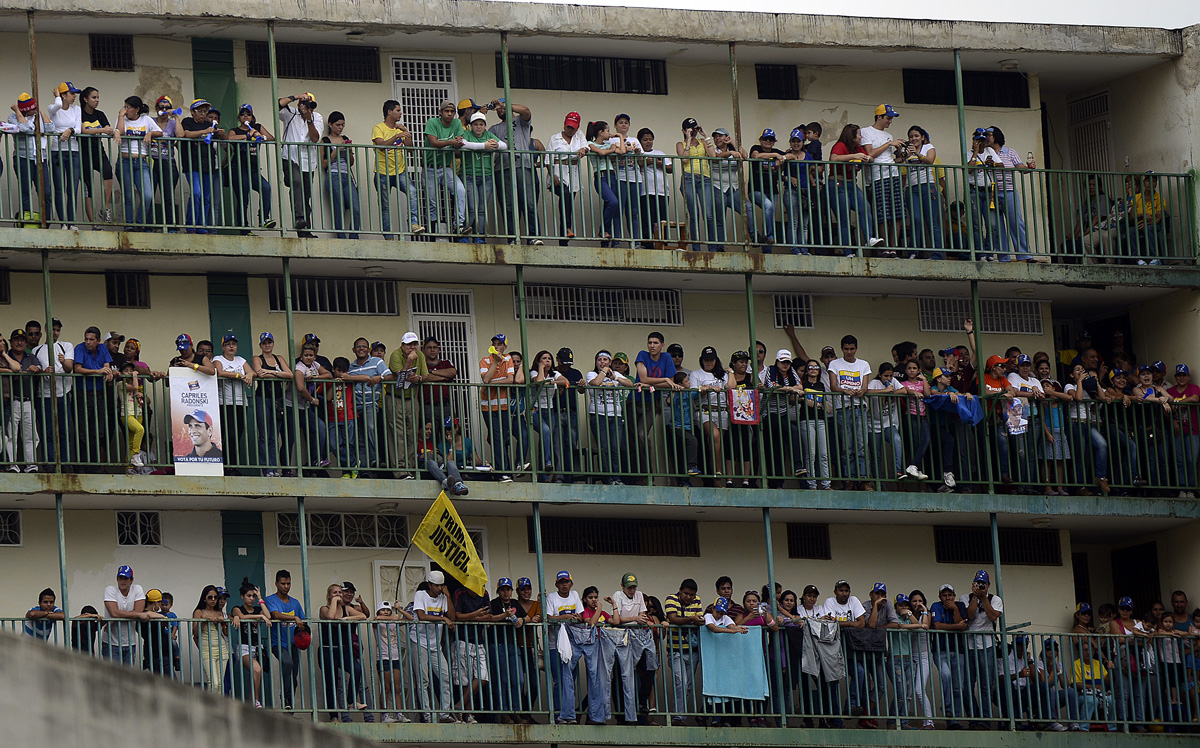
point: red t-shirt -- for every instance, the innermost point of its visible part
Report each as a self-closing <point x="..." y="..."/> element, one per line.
<point x="340" y="402"/>
<point x="847" y="171"/>
<point x="1186" y="413"/>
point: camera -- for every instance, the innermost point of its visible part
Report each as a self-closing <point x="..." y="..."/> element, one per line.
<point x="308" y="104"/>
<point x="491" y="106"/>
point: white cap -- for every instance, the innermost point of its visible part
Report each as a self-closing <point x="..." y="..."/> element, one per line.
<point x="783" y="354"/>
<point x="945" y="587"/>
<point x="480" y="116"/>
<point x="383" y="606"/>
<point x="410" y="337"/>
<point x="435" y="577"/>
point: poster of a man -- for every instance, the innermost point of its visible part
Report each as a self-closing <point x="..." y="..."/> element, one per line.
<point x="200" y="431"/>
<point x="196" y="429"/>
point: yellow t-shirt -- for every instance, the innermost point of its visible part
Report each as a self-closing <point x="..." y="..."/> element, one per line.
<point x="1144" y="214"/>
<point x="698" y="165"/>
<point x="388" y="160"/>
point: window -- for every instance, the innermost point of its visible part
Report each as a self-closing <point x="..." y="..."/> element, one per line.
<point x="111" y="52"/>
<point x="982" y="89"/>
<point x="363" y="296"/>
<point x="127" y="289"/>
<point x="808" y="540"/>
<point x="617" y="537"/>
<point x="973" y="545"/>
<point x="1091" y="131"/>
<point x="421" y="85"/>
<point x="579" y="73"/>
<point x="999" y="316"/>
<point x="793" y="309"/>
<point x="10" y="527"/>
<point x="617" y="306"/>
<point x="5" y="288"/>
<point x="778" y="82"/>
<point x="139" y="528"/>
<point x="322" y="62"/>
<point x="335" y="530"/>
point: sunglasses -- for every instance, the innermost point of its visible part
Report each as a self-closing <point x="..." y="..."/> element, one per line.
<point x="211" y="597"/>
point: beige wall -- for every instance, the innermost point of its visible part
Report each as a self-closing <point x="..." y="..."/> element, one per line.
<point x="1167" y="328"/>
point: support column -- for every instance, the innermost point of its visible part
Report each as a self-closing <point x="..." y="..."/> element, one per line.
<point x="999" y="580"/>
<point x="294" y="411"/>
<point x="514" y="206"/>
<point x="773" y="662"/>
<point x="534" y="462"/>
<point x="753" y="351"/>
<point x="542" y="595"/>
<point x="37" y="142"/>
<point x="62" y="568"/>
<point x="52" y="359"/>
<point x="963" y="143"/>
<point x="310" y="661"/>
<point x="737" y="133"/>
<point x="277" y="146"/>
<point x="980" y="363"/>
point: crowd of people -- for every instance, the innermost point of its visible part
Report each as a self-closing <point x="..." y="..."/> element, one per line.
<point x="472" y="657"/>
<point x="455" y="171"/>
<point x="1076" y="423"/>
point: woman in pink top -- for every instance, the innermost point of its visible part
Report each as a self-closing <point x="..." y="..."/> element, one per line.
<point x="1187" y="425"/>
<point x="916" y="424"/>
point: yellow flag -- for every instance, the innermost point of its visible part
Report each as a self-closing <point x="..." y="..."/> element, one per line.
<point x="443" y="538"/>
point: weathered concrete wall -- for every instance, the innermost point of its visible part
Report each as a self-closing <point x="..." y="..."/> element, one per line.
<point x="52" y="697"/>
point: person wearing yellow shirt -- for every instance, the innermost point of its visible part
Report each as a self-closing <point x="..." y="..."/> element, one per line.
<point x="1147" y="209"/>
<point x="391" y="168"/>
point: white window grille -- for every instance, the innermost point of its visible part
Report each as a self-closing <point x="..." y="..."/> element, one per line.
<point x="10" y="527"/>
<point x="1000" y="316"/>
<point x="338" y="530"/>
<point x="420" y="85"/>
<point x="362" y="296"/>
<point x="448" y="316"/>
<point x="139" y="528"/>
<point x="616" y="306"/>
<point x="1090" y="132"/>
<point x="794" y="309"/>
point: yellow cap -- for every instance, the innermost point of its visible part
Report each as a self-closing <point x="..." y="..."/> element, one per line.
<point x="309" y="95"/>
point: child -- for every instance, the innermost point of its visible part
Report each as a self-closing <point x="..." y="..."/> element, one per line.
<point x="390" y="637"/>
<point x="1055" y="450"/>
<point x="134" y="411"/>
<point x="340" y="407"/>
<point x="916" y="387"/>
<point x="885" y="416"/>
<point x="459" y="448"/>
<point x="902" y="660"/>
<point x="655" y="187"/>
<point x="683" y="410"/>
<point x="1092" y="683"/>
<point x="593" y="614"/>
<point x="605" y="176"/>
<point x="478" y="162"/>
<point x="1194" y="628"/>
<point x="1170" y="661"/>
<point x="168" y="600"/>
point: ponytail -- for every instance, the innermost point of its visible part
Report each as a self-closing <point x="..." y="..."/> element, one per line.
<point x="137" y="103"/>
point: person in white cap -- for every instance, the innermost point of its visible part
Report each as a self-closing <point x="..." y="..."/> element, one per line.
<point x="408" y="365"/>
<point x="391" y="674"/>
<point x="477" y="168"/>
<point x="782" y="429"/>
<point x="432" y="610"/>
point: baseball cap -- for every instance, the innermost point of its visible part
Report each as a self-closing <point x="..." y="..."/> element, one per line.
<point x="197" y="103"/>
<point x="310" y="337"/>
<point x="410" y="337"/>
<point x="199" y="416"/>
<point x="1049" y="643"/>
<point x="449" y="423"/>
<point x="622" y="115"/>
<point x="566" y="355"/>
<point x="383" y="605"/>
<point x="797" y="134"/>
<point x="767" y="134"/>
<point x="1125" y="602"/>
<point x="524" y="582"/>
<point x="245" y="108"/>
<point x="945" y="587"/>
<point x="113" y="334"/>
<point x="1158" y="366"/>
<point x="164" y="102"/>
<point x="572" y="119"/>
<point x="996" y="359"/>
<point x="901" y="598"/>
<point x="222" y="592"/>
<point x="675" y="348"/>
<point x="477" y="116"/>
<point x="66" y="87"/>
<point x="378" y="344"/>
<point x="1023" y="359"/>
<point x="264" y="337"/>
<point x="952" y="351"/>
<point x="980" y="134"/>
<point x="740" y="356"/>
<point x="720" y="131"/>
<point x="154" y="596"/>
<point x="435" y="577"/>
<point x="1083" y="608"/>
<point x="467" y="104"/>
<point x="309" y="95"/>
<point x="841" y="583"/>
<point x="783" y="354"/>
<point x="26" y="103"/>
<point x="504" y="582"/>
<point x="628" y="580"/>
<point x="982" y="576"/>
<point x="19" y="333"/>
<point x="1182" y="369"/>
<point x="708" y="352"/>
<point x="937" y="372"/>
<point x="1145" y="367"/>
<point x="500" y="337"/>
<point x="721" y="605"/>
<point x="879" y="587"/>
<point x="302" y="640"/>
<point x="349" y="586"/>
<point x="621" y="356"/>
<point x="125" y="571"/>
<point x="563" y="575"/>
<point x="228" y="338"/>
<point x="828" y="348"/>
<point x="885" y="110"/>
<point x="690" y="122"/>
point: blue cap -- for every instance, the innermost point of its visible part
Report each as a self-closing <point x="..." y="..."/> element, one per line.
<point x="1021" y="639"/>
<point x="1145" y="367"/>
<point x="222" y="592"/>
<point x="378" y="344"/>
<point x="879" y="587"/>
<point x="501" y="337"/>
<point x="245" y="108"/>
<point x="721" y="605"/>
<point x="70" y="87"/>
<point x="619" y="116"/>
<point x="1182" y="369"/>
<point x="1125" y="602"/>
<point x="1024" y="359"/>
<point x="125" y="571"/>
<point x="980" y="134"/>
<point x="311" y="337"/>
<point x="199" y="416"/>
<point x="524" y="582"/>
<point x="767" y="134"/>
<point x="1159" y="366"/>
<point x="1049" y="643"/>
<point x="449" y="422"/>
<point x="886" y="110"/>
<point x="901" y="598"/>
<point x="1083" y="608"/>
<point x="263" y="337"/>
<point x="504" y="582"/>
<point x="982" y="576"/>
<point x="563" y="575"/>
<point x="797" y="134"/>
<point x="183" y="342"/>
<point x="948" y="351"/>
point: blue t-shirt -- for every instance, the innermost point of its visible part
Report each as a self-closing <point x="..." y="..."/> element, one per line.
<point x="664" y="367"/>
<point x="41" y="628"/>
<point x="953" y="640"/>
<point x="683" y="406"/>
<point x="90" y="360"/>
<point x="280" y="629"/>
<point x="174" y="618"/>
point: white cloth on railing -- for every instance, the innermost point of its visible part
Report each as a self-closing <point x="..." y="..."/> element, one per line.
<point x="564" y="645"/>
<point x="823" y="656"/>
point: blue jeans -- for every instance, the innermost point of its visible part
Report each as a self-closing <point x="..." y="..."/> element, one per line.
<point x="698" y="194"/>
<point x="27" y="177"/>
<point x="1187" y="449"/>
<point x="368" y="447"/>
<point x="343" y="442"/>
<point x="609" y="433"/>
<point x="441" y="180"/>
<point x="526" y="200"/>
<point x="123" y="655"/>
<point x="546" y="423"/>
<point x="981" y="675"/>
<point x="585" y="645"/>
<point x="629" y="194"/>
<point x="506" y="669"/>
<point x="312" y="427"/>
<point x="867" y="682"/>
<point x="722" y="201"/>
<point x="950" y="672"/>
<point x="987" y="241"/>
<point x="851" y="423"/>
<point x="917" y="429"/>
<point x="606" y="186"/>
<point x="66" y="172"/>
<point x="479" y="196"/>
<point x="1081" y="434"/>
<point x="46" y="428"/>
<point x="566" y="208"/>
<point x="499" y="433"/>
<point x="384" y="184"/>
<point x="245" y="181"/>
<point x="906" y="689"/>
<point x="766" y="201"/>
<point x="890" y="435"/>
<point x="1011" y="224"/>
<point x="848" y="196"/>
<point x="343" y="195"/>
<point x="134" y="174"/>
<point x="925" y="201"/>
<point x="267" y="420"/>
<point x="568" y="429"/>
<point x="199" y="211"/>
<point x="799" y="211"/>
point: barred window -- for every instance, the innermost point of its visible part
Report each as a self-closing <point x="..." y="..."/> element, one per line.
<point x="337" y="530"/>
<point x="793" y="309"/>
<point x="973" y="545"/>
<point x="361" y="296"/>
<point x="1003" y="316"/>
<point x="617" y="537"/>
<point x="808" y="540"/>
<point x="580" y="73"/>
<point x="111" y="52"/>
<point x="127" y="289"/>
<point x="139" y="528"/>
<point x="10" y="527"/>
<point x="321" y="62"/>
<point x="617" y="306"/>
<point x="780" y="82"/>
<point x="1003" y="89"/>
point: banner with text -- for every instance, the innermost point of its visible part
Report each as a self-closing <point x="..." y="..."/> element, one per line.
<point x="443" y="538"/>
<point x="195" y="423"/>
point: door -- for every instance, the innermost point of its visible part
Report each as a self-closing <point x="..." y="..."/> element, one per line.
<point x="421" y="85"/>
<point x="449" y="315"/>
<point x="390" y="585"/>
<point x="213" y="76"/>
<point x="1135" y="573"/>
<point x="229" y="312"/>
<point x="243" y="552"/>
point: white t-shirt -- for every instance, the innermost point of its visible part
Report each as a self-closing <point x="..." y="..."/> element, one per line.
<point x="123" y="633"/>
<point x="300" y="402"/>
<point x="62" y="385"/>
<point x="1015" y="666"/>
<point x="716" y="403"/>
<point x="629" y="608"/>
<point x="295" y="132"/>
<point x="850" y="611"/>
<point x="605" y="403"/>
<point x="850" y="375"/>
<point x="566" y="168"/>
<point x="545" y="389"/>
<point x="982" y="177"/>
<point x="428" y="634"/>
<point x="627" y="166"/>
<point x="981" y="622"/>
<point x="884" y="408"/>
<point x="724" y="620"/>
<point x="654" y="174"/>
<point x="923" y="173"/>
<point x="135" y="130"/>
<point x="818" y="611"/>
<point x="557" y="605"/>
<point x="233" y="391"/>
<point x="872" y="139"/>
<point x="1078" y="409"/>
<point x="1024" y="386"/>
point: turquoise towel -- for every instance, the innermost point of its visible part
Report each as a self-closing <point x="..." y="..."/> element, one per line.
<point x="734" y="665"/>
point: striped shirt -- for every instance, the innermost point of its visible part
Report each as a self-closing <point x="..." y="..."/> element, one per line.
<point x="672" y="605"/>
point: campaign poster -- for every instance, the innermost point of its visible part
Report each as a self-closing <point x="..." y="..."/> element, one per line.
<point x="195" y="423"/>
<point x="743" y="406"/>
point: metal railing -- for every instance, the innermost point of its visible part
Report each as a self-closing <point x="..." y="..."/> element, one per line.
<point x="398" y="670"/>
<point x="612" y="434"/>
<point x="701" y="203"/>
